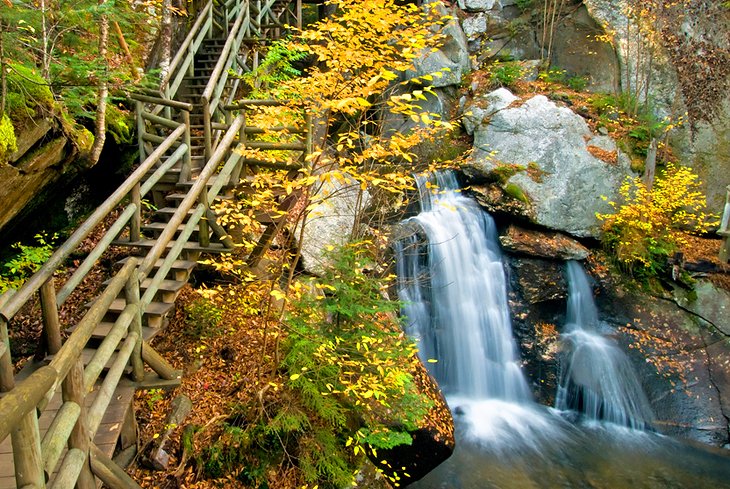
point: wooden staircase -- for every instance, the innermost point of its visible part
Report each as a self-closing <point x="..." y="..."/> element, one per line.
<point x="62" y="419"/>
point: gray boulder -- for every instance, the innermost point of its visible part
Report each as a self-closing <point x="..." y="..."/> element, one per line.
<point x="481" y="108"/>
<point x="330" y="222"/>
<point x="474" y="26"/>
<point x="562" y="181"/>
<point x="452" y="59"/>
<point x="478" y="5"/>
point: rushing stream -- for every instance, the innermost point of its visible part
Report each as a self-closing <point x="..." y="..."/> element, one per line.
<point x="453" y="284"/>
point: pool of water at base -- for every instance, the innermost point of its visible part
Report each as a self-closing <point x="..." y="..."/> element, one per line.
<point x="504" y="445"/>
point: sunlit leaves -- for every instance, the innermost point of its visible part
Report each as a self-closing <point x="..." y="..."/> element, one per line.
<point x="647" y="226"/>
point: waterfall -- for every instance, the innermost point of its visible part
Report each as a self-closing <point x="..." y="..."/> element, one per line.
<point x="455" y="294"/>
<point x="596" y="377"/>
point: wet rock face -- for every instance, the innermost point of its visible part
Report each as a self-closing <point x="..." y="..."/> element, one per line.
<point x="691" y="395"/>
<point x="542" y="244"/>
<point x="537" y="298"/>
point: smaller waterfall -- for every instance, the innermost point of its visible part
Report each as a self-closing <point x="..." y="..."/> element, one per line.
<point x="596" y="377"/>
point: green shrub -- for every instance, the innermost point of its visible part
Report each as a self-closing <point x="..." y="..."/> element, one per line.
<point x="349" y="390"/>
<point x="524" y="5"/>
<point x="506" y="74"/>
<point x="25" y="262"/>
<point x="202" y="318"/>
<point x="562" y="77"/>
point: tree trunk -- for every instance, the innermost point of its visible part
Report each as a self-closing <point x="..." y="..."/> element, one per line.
<point x="165" y="38"/>
<point x="100" y="123"/>
<point x="650" y="164"/>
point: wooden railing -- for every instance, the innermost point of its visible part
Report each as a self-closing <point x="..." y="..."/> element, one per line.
<point x="74" y="426"/>
<point x="182" y="63"/>
<point x="214" y="90"/>
<point x="36" y="459"/>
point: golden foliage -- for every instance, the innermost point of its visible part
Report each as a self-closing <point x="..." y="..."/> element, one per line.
<point x="647" y="227"/>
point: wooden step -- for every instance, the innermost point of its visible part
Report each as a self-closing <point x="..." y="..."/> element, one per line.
<point x="165" y="213"/>
<point x="167" y="285"/>
<point x="177" y="197"/>
<point x="154" y="314"/>
<point x="156" y="228"/>
<point x="104" y="328"/>
<point x="181" y="269"/>
<point x="190" y="246"/>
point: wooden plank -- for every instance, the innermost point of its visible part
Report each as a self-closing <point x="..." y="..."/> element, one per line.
<point x="106" y="438"/>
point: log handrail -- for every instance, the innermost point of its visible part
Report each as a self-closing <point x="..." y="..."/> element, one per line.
<point x="214" y="88"/>
<point x="18" y="408"/>
<point x="195" y="36"/>
<point x="24" y="293"/>
<point x="193" y="195"/>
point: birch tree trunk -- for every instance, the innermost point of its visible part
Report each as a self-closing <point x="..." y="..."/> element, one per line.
<point x="165" y="38"/>
<point x="100" y="123"/>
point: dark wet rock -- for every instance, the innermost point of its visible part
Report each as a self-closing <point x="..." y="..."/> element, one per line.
<point x="537" y="296"/>
<point x="682" y="362"/>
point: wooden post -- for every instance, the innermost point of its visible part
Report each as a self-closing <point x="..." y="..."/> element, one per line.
<point x="139" y="107"/>
<point x="73" y="390"/>
<point x="191" y="56"/>
<point x="135" y="223"/>
<point x="207" y="130"/>
<point x="299" y="14"/>
<point x="51" y="324"/>
<point x="186" y="168"/>
<point x="110" y="473"/>
<point x="203" y="228"/>
<point x="167" y="111"/>
<point x="131" y="292"/>
<point x="27" y="454"/>
<point x="7" y="381"/>
<point x="158" y="363"/>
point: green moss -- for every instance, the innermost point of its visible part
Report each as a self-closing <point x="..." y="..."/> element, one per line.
<point x="504" y="171"/>
<point x="8" y="143"/>
<point x="119" y="124"/>
<point x="514" y="191"/>
<point x="28" y="94"/>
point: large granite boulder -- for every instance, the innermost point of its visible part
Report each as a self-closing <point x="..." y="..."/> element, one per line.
<point x="331" y="221"/>
<point x="543" y="154"/>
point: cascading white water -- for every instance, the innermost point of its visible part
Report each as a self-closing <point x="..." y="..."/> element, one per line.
<point x="454" y="289"/>
<point x="596" y="377"/>
<point x="458" y="308"/>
